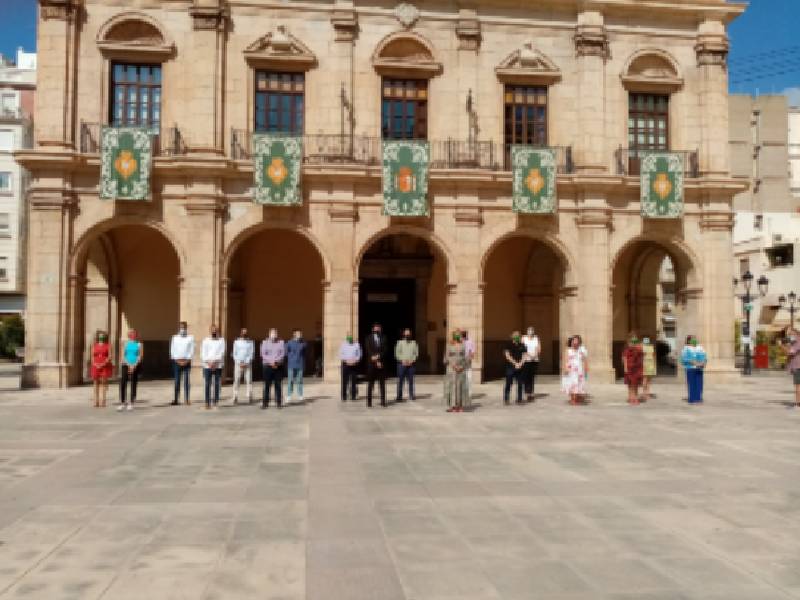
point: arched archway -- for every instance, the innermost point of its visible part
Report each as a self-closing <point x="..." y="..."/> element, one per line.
<point x="403" y="283"/>
<point x="275" y="278"/>
<point x="126" y="277"/>
<point x="652" y="295"/>
<point x="523" y="278"/>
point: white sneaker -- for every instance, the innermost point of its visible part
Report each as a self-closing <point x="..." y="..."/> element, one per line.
<point x="120" y="408"/>
<point x="300" y="399"/>
<point x="130" y="406"/>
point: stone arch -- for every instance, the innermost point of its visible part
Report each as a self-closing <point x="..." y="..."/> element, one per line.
<point x="406" y="52"/>
<point x="555" y="244"/>
<point x="134" y="31"/>
<point x="652" y="69"/>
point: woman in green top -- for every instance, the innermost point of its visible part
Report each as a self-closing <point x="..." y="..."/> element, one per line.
<point x="649" y="366"/>
<point x="455" y="381"/>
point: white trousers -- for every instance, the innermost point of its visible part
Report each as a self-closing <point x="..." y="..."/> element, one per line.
<point x="469" y="382"/>
<point x="247" y="371"/>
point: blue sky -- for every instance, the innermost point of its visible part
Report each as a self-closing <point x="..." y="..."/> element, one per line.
<point x="765" y="45"/>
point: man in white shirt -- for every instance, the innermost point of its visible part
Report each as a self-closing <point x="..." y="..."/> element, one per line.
<point x="212" y="353"/>
<point x="469" y="350"/>
<point x="242" y="354"/>
<point x="532" y="350"/>
<point x="181" y="351"/>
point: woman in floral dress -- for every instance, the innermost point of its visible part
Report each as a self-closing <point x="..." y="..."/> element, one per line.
<point x="633" y="362"/>
<point x="576" y="367"/>
<point x="455" y="381"/>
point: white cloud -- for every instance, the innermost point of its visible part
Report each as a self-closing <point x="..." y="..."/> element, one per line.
<point x="793" y="94"/>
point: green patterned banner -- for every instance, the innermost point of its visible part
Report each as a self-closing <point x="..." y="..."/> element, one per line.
<point x="126" y="158"/>
<point x="405" y="178"/>
<point x="662" y="185"/>
<point x="534" y="179"/>
<point x="276" y="163"/>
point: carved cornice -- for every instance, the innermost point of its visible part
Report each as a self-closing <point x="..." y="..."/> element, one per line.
<point x="468" y="218"/>
<point x="594" y="218"/>
<point x="343" y="214"/>
<point x="468" y="31"/>
<point x="52" y="200"/>
<point x="712" y="50"/>
<point x="280" y="49"/>
<point x="209" y="18"/>
<point x="59" y="10"/>
<point x="592" y="40"/>
<point x="717" y="221"/>
<point x="528" y="65"/>
<point x="345" y="24"/>
<point x="218" y="207"/>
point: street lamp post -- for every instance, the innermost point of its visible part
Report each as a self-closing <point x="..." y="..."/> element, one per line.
<point x="747" y="306"/>
<point x="792" y="308"/>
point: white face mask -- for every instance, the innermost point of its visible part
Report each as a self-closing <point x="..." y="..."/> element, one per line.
<point x="182" y="331"/>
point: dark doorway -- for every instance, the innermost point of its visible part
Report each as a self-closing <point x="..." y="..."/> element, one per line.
<point x="390" y="302"/>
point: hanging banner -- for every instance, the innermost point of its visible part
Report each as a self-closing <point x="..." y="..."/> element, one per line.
<point x="534" y="179"/>
<point x="276" y="163"/>
<point x="405" y="178"/>
<point x="125" y="161"/>
<point x="662" y="185"/>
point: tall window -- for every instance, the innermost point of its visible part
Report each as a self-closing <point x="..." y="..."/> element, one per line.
<point x="5" y="181"/>
<point x="136" y="95"/>
<point x="525" y="117"/>
<point x="648" y="126"/>
<point x="404" y="109"/>
<point x="279" y="102"/>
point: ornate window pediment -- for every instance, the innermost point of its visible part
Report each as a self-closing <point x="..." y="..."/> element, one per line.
<point x="406" y="54"/>
<point x="281" y="50"/>
<point x="528" y="65"/>
<point x="134" y="34"/>
<point x="652" y="71"/>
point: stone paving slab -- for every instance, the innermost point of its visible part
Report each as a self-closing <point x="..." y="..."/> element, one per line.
<point x="331" y="501"/>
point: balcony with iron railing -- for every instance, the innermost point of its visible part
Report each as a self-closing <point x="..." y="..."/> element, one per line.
<point x="629" y="161"/>
<point x="167" y="141"/>
<point x="337" y="149"/>
<point x="13" y="113"/>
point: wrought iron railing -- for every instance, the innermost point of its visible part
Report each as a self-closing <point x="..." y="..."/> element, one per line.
<point x="564" y="164"/>
<point x="15" y="113"/>
<point x="629" y="160"/>
<point x="460" y="154"/>
<point x="166" y="142"/>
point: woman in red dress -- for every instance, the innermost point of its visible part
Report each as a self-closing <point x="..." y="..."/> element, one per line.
<point x="633" y="361"/>
<point x="101" y="367"/>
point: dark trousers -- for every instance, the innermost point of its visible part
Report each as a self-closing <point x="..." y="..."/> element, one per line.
<point x="404" y="373"/>
<point x="373" y="374"/>
<point x="178" y="371"/>
<point x="272" y="377"/>
<point x="208" y="376"/>
<point x="694" y="380"/>
<point x="124" y="378"/>
<point x="530" y="377"/>
<point x="513" y="375"/>
<point x="349" y="373"/>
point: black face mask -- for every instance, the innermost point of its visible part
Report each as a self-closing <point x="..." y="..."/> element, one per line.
<point x="215" y="335"/>
<point x="407" y="336"/>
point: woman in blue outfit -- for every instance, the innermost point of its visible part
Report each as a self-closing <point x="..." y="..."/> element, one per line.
<point x="132" y="354"/>
<point x="693" y="359"/>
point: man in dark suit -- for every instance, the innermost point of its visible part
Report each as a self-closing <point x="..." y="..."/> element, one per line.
<point x="375" y="348"/>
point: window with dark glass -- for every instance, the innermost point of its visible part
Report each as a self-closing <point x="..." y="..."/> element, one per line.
<point x="279" y="102"/>
<point x="525" y="117"/>
<point x="404" y="109"/>
<point x="136" y="95"/>
<point x="648" y="125"/>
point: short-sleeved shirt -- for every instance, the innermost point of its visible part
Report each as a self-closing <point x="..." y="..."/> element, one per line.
<point x="515" y="349"/>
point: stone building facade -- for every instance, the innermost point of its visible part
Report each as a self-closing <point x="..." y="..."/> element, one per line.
<point x="596" y="80"/>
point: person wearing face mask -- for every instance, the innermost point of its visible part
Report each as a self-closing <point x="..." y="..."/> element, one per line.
<point x="375" y="348"/>
<point x="649" y="359"/>
<point x="273" y="353"/>
<point x="633" y="364"/>
<point x="406" y="352"/>
<point x="132" y="354"/>
<point x="350" y="356"/>
<point x="181" y="351"/>
<point x="455" y="379"/>
<point x="514" y="353"/>
<point x="101" y="367"/>
<point x="242" y="354"/>
<point x="469" y="349"/>
<point x="531" y="367"/>
<point x="693" y="359"/>
<point x="792" y="346"/>
<point x="296" y="364"/>
<point x="575" y="370"/>
<point x="212" y="353"/>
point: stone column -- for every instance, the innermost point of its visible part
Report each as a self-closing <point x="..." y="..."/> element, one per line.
<point x="712" y="54"/>
<point x="207" y="79"/>
<point x="466" y="292"/>
<point x="50" y="315"/>
<point x="591" y="49"/>
<point x="57" y="42"/>
<point x="594" y="306"/>
<point x="340" y="292"/>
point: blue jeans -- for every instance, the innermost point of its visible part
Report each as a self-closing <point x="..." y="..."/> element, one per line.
<point x="295" y="379"/>
<point x="694" y="380"/>
<point x="208" y="374"/>
<point x="177" y="372"/>
<point x="404" y="373"/>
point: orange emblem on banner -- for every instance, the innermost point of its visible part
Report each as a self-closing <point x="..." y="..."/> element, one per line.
<point x="406" y="182"/>
<point x="662" y="186"/>
<point x="277" y="171"/>
<point x="534" y="181"/>
<point x="125" y="164"/>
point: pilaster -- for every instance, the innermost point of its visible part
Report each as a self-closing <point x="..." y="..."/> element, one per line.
<point x="712" y="52"/>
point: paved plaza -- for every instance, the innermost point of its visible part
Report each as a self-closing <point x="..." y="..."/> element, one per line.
<point x="331" y="501"/>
